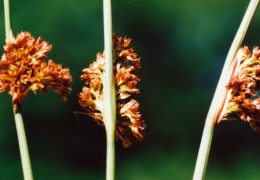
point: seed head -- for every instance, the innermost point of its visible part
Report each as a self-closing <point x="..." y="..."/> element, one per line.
<point x="129" y="125"/>
<point x="22" y="68"/>
<point x="244" y="101"/>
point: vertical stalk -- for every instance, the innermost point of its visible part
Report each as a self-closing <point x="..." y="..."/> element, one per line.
<point x="7" y="19"/>
<point x="220" y="94"/>
<point x="109" y="92"/>
<point x="26" y="164"/>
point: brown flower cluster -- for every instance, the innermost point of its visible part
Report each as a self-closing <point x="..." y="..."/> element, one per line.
<point x="129" y="125"/>
<point x="22" y="68"/>
<point x="244" y="101"/>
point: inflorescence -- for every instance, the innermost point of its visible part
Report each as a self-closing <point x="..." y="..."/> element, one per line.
<point x="22" y="68"/>
<point x="129" y="125"/>
<point x="244" y="100"/>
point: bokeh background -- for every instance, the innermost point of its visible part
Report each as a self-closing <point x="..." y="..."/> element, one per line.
<point x="183" y="45"/>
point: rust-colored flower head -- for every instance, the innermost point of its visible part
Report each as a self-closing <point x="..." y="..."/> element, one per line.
<point x="129" y="125"/>
<point x="22" y="68"/>
<point x="244" y="100"/>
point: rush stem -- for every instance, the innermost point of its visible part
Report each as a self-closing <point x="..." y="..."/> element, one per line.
<point x="7" y="19"/>
<point x="26" y="164"/>
<point x="109" y="92"/>
<point x="220" y="95"/>
<point x="226" y="95"/>
<point x="25" y="158"/>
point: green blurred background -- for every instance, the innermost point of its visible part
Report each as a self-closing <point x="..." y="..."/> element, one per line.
<point x="183" y="45"/>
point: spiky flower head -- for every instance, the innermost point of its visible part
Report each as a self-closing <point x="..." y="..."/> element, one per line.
<point x="244" y="100"/>
<point x="22" y="68"/>
<point x="129" y="125"/>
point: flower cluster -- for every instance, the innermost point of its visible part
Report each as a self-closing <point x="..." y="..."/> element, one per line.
<point x="244" y="101"/>
<point x="129" y="125"/>
<point x="22" y="68"/>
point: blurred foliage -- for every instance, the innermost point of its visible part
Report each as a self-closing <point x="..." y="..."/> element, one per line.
<point x="183" y="45"/>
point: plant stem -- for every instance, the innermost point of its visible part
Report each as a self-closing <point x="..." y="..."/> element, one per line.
<point x="7" y="19"/>
<point x="220" y="94"/>
<point x="26" y="164"/>
<point x="109" y="92"/>
<point x="110" y="165"/>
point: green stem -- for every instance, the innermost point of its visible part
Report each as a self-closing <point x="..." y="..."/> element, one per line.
<point x="26" y="164"/>
<point x="219" y="96"/>
<point x="7" y="20"/>
<point x="110" y="165"/>
<point x="109" y="92"/>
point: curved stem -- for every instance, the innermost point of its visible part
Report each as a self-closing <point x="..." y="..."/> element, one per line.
<point x="219" y="96"/>
<point x="109" y="92"/>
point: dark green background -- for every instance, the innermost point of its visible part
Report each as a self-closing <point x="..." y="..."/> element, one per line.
<point x="183" y="45"/>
